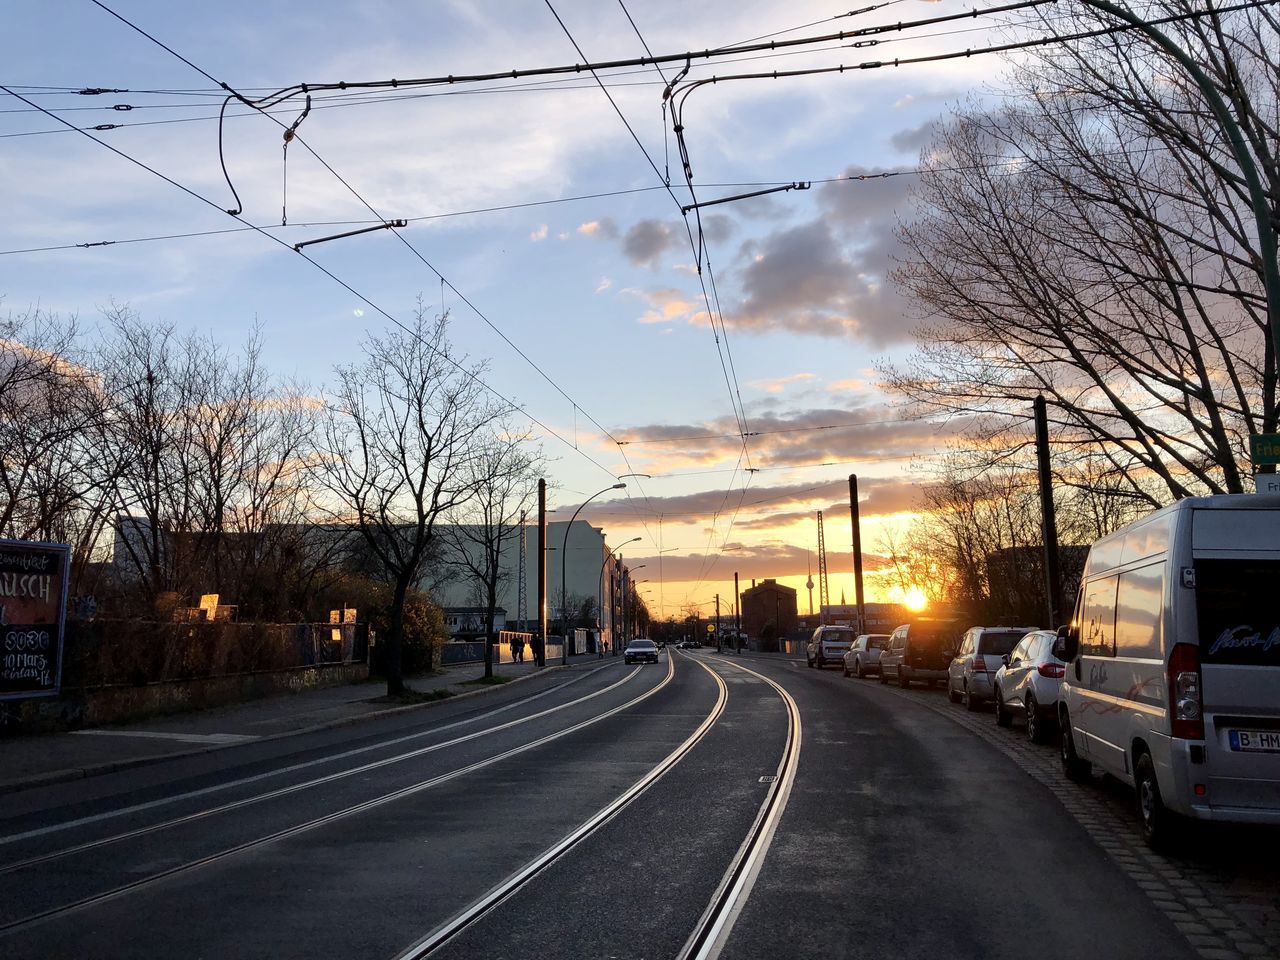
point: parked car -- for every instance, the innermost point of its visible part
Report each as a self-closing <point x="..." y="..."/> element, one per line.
<point x="1173" y="676"/>
<point x="1028" y="683"/>
<point x="640" y="651"/>
<point x="863" y="658"/>
<point x="828" y="645"/>
<point x="975" y="664"/>
<point x="919" y="651"/>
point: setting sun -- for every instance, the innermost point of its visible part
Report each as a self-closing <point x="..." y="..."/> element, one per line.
<point x="914" y="599"/>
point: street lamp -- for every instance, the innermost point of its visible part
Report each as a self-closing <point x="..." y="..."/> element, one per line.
<point x="608" y="553"/>
<point x="564" y="573"/>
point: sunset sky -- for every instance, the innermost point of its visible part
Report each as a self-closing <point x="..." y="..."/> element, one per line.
<point x="601" y="294"/>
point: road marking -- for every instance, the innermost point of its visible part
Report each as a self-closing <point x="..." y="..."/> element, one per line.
<point x="161" y="735"/>
<point x="508" y="887"/>
<point x="361" y="807"/>
<point x="712" y="933"/>
<point x="382" y="745"/>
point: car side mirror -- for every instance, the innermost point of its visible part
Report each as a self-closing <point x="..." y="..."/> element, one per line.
<point x="1004" y="658"/>
<point x="1066" y="646"/>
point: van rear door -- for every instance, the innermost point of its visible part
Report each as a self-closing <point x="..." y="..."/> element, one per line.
<point x="1238" y="623"/>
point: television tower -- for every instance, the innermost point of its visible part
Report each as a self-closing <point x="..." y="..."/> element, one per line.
<point x="809" y="582"/>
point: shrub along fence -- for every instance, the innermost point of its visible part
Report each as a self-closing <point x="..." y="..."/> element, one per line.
<point x="119" y="670"/>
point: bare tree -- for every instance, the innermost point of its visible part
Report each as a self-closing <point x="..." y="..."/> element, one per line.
<point x="502" y="475"/>
<point x="1092" y="241"/>
<point x="399" y="445"/>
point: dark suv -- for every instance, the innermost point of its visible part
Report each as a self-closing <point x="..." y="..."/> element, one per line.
<point x="919" y="651"/>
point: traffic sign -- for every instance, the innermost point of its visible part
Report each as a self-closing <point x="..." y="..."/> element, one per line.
<point x="1264" y="448"/>
<point x="1267" y="483"/>
<point x="711" y="628"/>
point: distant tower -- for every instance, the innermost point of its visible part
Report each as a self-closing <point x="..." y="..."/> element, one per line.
<point x="809" y="582"/>
<point x="824" y="599"/>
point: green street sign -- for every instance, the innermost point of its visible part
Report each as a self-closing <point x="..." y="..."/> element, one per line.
<point x="1264" y="448"/>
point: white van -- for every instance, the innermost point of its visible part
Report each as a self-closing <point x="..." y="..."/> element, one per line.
<point x="1173" y="676"/>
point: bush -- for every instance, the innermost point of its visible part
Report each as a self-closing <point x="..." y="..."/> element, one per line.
<point x="424" y="629"/>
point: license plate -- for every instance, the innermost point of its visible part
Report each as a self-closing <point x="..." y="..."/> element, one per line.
<point x="1255" y="741"/>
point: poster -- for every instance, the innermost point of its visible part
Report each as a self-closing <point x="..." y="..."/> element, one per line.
<point x="33" y="604"/>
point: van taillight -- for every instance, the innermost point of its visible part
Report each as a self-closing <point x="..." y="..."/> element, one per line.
<point x="979" y="664"/>
<point x="1184" y="692"/>
<point x="1053" y="671"/>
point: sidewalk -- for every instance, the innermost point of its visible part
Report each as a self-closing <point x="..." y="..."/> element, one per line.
<point x="57" y="757"/>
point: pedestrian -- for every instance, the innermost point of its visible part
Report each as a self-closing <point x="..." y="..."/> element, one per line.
<point x="517" y="649"/>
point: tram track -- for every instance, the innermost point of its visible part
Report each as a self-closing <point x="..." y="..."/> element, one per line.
<point x="189" y="866"/>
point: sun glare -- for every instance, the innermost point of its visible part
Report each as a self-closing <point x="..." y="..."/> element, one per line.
<point x="914" y="599"/>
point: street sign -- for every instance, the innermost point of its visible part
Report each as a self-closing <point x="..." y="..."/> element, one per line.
<point x="1267" y="482"/>
<point x="711" y="628"/>
<point x="1264" y="448"/>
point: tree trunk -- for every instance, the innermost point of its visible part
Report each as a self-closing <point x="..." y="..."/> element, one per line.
<point x="391" y="658"/>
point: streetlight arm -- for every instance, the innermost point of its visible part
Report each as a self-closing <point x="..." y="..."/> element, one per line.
<point x="564" y="572"/>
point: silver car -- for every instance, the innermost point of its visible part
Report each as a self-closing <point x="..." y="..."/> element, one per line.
<point x="863" y="658"/>
<point x="1028" y="684"/>
<point x="973" y="670"/>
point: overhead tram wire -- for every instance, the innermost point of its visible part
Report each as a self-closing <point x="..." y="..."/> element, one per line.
<point x="335" y="278"/>
<point x="458" y="293"/>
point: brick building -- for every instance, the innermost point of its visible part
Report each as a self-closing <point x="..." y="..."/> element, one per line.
<point x="768" y="610"/>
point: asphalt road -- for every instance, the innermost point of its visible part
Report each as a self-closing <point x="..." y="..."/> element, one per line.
<point x="707" y="806"/>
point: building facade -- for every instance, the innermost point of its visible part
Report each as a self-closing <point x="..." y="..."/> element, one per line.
<point x="768" y="611"/>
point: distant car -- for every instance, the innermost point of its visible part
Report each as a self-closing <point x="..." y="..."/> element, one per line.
<point x="969" y="678"/>
<point x="863" y="658"/>
<point x="640" y="651"/>
<point x="919" y="651"/>
<point x="1029" y="684"/>
<point x="828" y="645"/>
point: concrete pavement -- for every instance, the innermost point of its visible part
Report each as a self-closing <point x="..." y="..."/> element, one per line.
<point x="30" y="761"/>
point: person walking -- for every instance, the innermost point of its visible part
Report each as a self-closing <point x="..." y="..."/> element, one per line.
<point x="517" y="649"/>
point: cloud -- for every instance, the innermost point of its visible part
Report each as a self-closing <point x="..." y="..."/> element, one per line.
<point x="778" y="384"/>
<point x="539" y="234"/>
<point x="646" y="240"/>
<point x="604" y="284"/>
<point x="913" y="139"/>
<point x="841" y="386"/>
<point x="666" y="305"/>
<point x="604" y="228"/>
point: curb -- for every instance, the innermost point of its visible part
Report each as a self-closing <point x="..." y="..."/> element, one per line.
<point x="99" y="769"/>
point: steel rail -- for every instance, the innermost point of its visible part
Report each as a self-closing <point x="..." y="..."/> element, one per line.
<point x="713" y="929"/>
<point x="508" y="887"/>
<point x="362" y="807"/>
<point x="292" y="768"/>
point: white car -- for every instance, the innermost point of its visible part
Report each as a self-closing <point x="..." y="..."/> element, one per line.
<point x="1173" y="676"/>
<point x="828" y="646"/>
<point x="972" y="670"/>
<point x="1028" y="682"/>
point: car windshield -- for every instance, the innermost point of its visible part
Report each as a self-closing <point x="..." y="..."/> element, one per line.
<point x="1239" y="611"/>
<point x="642" y="645"/>
<point x="998" y="644"/>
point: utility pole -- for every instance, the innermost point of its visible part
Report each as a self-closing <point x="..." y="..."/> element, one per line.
<point x="719" y="637"/>
<point x="541" y="648"/>
<point x="857" y="553"/>
<point x="1048" y="521"/>
<point x="824" y="597"/>
<point x="522" y="575"/>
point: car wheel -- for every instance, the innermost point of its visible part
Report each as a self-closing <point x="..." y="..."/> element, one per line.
<point x="903" y="682"/>
<point x="846" y="670"/>
<point x="971" y="703"/>
<point x="808" y="662"/>
<point x="1003" y="717"/>
<point x="883" y="678"/>
<point x="1157" y="822"/>
<point x="857" y="668"/>
<point x="1035" y="726"/>
<point x="1073" y="768"/>
<point x="951" y="694"/>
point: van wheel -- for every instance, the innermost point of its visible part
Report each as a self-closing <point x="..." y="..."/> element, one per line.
<point x="1073" y="768"/>
<point x="1035" y="725"/>
<point x="951" y="694"/>
<point x="903" y="682"/>
<point x="971" y="703"/>
<point x="1003" y="717"/>
<point x="883" y="678"/>
<point x="1158" y="824"/>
